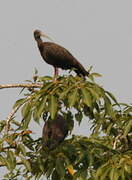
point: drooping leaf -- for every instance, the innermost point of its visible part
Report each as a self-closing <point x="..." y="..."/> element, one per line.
<point x="35" y="71"/>
<point x="72" y="97"/>
<point x="26" y="121"/>
<point x="21" y="147"/>
<point x="87" y="98"/>
<point x="94" y="93"/>
<point x="112" y="97"/>
<point x="19" y="102"/>
<point x="42" y="106"/>
<point x="55" y="175"/>
<point x="116" y="174"/>
<point x="60" y="167"/>
<point x="108" y="106"/>
<point x="128" y="110"/>
<point x="2" y="160"/>
<point x="96" y="74"/>
<point x="79" y="116"/>
<point x="65" y="92"/>
<point x="26" y="109"/>
<point x="128" y="128"/>
<point x="39" y="109"/>
<point x="26" y="163"/>
<point x="111" y="174"/>
<point x="45" y="78"/>
<point x="11" y="160"/>
<point x="16" y="123"/>
<point x="2" y="125"/>
<point x="105" y="173"/>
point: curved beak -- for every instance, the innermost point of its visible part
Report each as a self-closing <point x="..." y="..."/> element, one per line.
<point x="45" y="36"/>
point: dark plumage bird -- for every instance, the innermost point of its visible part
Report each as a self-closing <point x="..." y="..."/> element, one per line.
<point x="54" y="132"/>
<point x="57" y="56"/>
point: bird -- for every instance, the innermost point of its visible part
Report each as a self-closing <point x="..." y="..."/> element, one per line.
<point x="54" y="132"/>
<point x="58" y="56"/>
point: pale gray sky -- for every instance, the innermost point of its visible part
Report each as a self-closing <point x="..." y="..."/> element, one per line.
<point x="97" y="33"/>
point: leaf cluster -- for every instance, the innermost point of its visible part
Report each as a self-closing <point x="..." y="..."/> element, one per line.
<point x="105" y="154"/>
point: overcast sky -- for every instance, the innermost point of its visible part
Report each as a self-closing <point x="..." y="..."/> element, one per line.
<point x="96" y="32"/>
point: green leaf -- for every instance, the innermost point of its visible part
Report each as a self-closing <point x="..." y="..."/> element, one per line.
<point x="116" y="175"/>
<point x="90" y="68"/>
<point x="47" y="86"/>
<point x="84" y="175"/>
<point x="39" y="109"/>
<point x="22" y="149"/>
<point x="19" y="102"/>
<point x="128" y="128"/>
<point x="87" y="98"/>
<point x="79" y="117"/>
<point x="96" y="74"/>
<point x="72" y="97"/>
<point x="26" y="163"/>
<point x="26" y="121"/>
<point x="108" y="106"/>
<point x="16" y="123"/>
<point x="41" y="106"/>
<point x="112" y="97"/>
<point x="2" y="125"/>
<point x="60" y="167"/>
<point x="55" y="175"/>
<point x="45" y="78"/>
<point x="65" y="92"/>
<point x="105" y="173"/>
<point x="11" y="161"/>
<point x="26" y="109"/>
<point x="111" y="174"/>
<point x="109" y="128"/>
<point x="35" y="71"/>
<point x="2" y="159"/>
<point x="128" y="110"/>
<point x="94" y="93"/>
<point x="53" y="106"/>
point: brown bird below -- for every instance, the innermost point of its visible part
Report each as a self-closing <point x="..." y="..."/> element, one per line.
<point x="58" y="56"/>
<point x="54" y="132"/>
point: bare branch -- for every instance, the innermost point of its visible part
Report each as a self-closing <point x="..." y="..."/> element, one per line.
<point x="33" y="85"/>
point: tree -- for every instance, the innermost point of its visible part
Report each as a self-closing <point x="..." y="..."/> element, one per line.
<point x="105" y="154"/>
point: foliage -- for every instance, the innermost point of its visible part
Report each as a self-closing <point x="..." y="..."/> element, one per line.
<point x="105" y="154"/>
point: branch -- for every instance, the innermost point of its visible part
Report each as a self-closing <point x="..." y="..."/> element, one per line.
<point x="11" y="114"/>
<point x="33" y="85"/>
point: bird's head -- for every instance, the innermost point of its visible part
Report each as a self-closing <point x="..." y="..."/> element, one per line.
<point x="38" y="34"/>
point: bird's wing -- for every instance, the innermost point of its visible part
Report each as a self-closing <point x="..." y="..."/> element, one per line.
<point x="58" y="56"/>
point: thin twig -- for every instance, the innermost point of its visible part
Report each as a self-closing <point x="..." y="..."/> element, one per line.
<point x="14" y="110"/>
<point x="11" y="114"/>
<point x="37" y="85"/>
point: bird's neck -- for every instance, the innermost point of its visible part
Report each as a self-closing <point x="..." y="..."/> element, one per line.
<point x="39" y="41"/>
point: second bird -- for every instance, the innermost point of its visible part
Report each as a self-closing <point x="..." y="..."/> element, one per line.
<point x="57" y="56"/>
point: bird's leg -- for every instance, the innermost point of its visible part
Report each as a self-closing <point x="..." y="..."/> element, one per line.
<point x="56" y="73"/>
